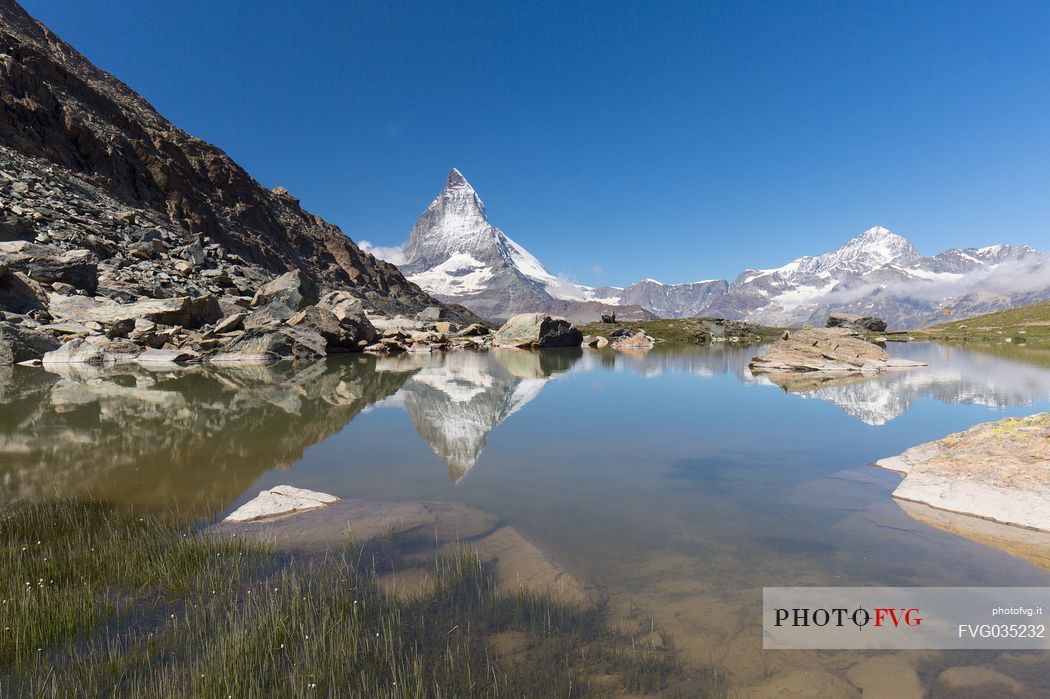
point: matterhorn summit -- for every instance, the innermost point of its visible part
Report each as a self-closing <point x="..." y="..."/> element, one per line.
<point x="456" y="253"/>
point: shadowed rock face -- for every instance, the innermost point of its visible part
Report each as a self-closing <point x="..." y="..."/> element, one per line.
<point x="203" y="434"/>
<point x="56" y="107"/>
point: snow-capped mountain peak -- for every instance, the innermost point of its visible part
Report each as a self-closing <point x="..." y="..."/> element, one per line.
<point x="868" y="251"/>
<point x="455" y="252"/>
<point x="456" y="222"/>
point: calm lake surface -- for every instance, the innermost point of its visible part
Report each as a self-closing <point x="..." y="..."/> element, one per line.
<point x="674" y="479"/>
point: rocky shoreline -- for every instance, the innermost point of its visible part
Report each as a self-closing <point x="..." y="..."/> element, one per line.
<point x="62" y="304"/>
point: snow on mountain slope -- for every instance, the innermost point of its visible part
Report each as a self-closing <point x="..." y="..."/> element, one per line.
<point x="456" y="253"/>
<point x="880" y="273"/>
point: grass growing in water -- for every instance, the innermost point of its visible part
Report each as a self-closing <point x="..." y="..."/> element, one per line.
<point x="101" y="601"/>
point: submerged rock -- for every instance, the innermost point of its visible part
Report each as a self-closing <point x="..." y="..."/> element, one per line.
<point x="835" y="351"/>
<point x="996" y="470"/>
<point x="535" y="330"/>
<point x="301" y="520"/>
<point x="280" y="500"/>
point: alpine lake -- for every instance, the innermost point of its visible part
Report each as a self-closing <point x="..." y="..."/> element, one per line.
<point x="672" y="484"/>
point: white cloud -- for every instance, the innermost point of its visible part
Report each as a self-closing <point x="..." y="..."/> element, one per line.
<point x="1007" y="278"/>
<point x="394" y="254"/>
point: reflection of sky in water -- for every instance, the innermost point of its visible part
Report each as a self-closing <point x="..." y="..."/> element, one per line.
<point x="673" y="477"/>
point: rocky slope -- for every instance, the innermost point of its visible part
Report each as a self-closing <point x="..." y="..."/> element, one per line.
<point x="88" y="164"/>
<point x="455" y="253"/>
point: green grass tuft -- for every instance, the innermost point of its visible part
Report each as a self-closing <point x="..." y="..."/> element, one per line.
<point x="99" y="601"/>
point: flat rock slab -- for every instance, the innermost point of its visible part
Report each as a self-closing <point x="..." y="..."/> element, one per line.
<point x="829" y="351"/>
<point x="996" y="470"/>
<point x="280" y="500"/>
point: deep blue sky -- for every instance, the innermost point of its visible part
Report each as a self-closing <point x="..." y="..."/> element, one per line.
<point x="616" y="141"/>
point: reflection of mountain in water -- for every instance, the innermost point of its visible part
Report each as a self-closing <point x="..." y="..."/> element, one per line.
<point x="455" y="400"/>
<point x="185" y="437"/>
<point x="712" y="360"/>
<point x="954" y="375"/>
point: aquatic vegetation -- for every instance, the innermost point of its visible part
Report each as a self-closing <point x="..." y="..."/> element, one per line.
<point x="104" y="601"/>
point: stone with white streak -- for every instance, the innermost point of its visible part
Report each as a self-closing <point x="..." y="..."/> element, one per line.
<point x="280" y="500"/>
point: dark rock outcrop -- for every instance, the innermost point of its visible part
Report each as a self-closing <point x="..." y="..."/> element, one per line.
<point x="18" y="344"/>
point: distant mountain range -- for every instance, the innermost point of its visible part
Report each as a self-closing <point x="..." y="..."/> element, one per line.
<point x="457" y="255"/>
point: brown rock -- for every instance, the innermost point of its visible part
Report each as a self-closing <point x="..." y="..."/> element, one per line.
<point x="827" y="351"/>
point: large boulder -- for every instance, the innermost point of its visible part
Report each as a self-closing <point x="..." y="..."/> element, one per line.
<point x="269" y="316"/>
<point x="280" y="500"/>
<point x="347" y="335"/>
<point x="47" y="265"/>
<point x="18" y="344"/>
<point x="188" y="312"/>
<point x="854" y="322"/>
<point x="291" y="289"/>
<point x="433" y="313"/>
<point x="830" y="351"/>
<point x="534" y="330"/>
<point x="97" y="350"/>
<point x="996" y="470"/>
<point x="261" y="345"/>
<point x="342" y="304"/>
